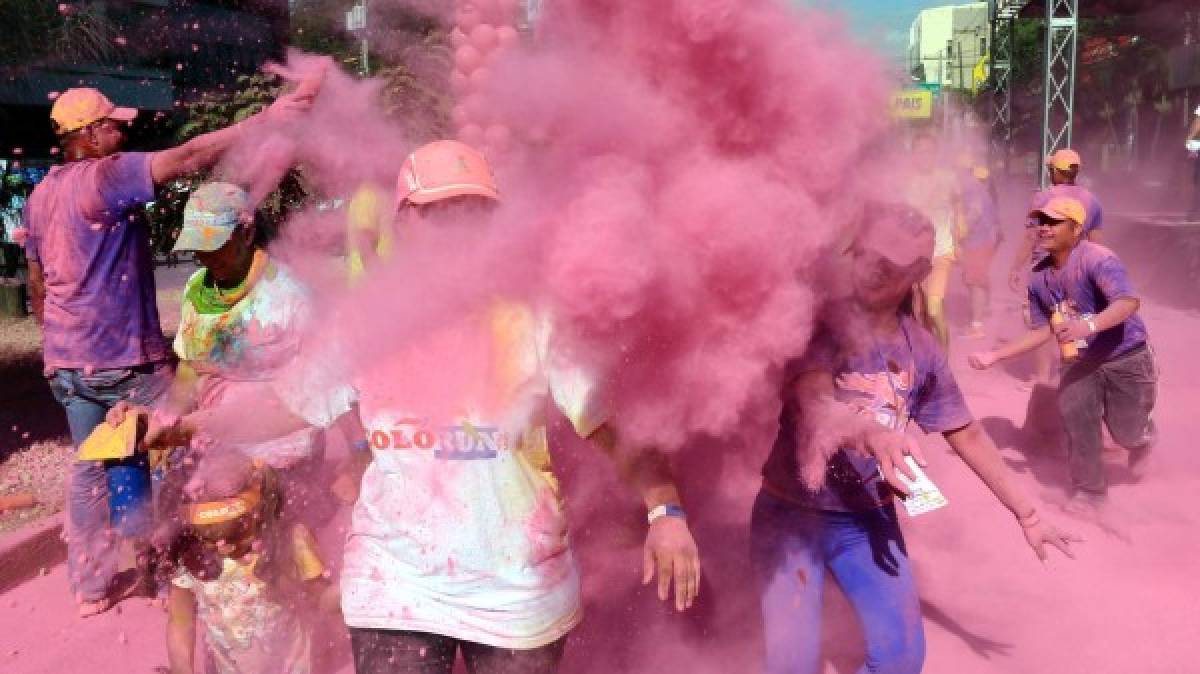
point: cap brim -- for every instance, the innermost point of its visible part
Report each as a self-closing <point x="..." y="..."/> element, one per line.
<point x="123" y="114"/>
<point x="1049" y="213"/>
<point x="428" y="196"/>
<point x="191" y="240"/>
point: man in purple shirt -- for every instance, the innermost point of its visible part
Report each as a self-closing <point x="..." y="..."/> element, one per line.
<point x="92" y="288"/>
<point x="1080" y="293"/>
<point x="1064" y="171"/>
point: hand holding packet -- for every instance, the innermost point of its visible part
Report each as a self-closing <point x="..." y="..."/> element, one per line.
<point x="923" y="494"/>
<point x="108" y="442"/>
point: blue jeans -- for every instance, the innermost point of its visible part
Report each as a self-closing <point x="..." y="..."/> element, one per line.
<point x="792" y="546"/>
<point x="91" y="548"/>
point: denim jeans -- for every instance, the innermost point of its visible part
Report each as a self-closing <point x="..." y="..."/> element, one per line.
<point x="791" y="548"/>
<point x="1121" y="394"/>
<point x="87" y="397"/>
<point x="401" y="652"/>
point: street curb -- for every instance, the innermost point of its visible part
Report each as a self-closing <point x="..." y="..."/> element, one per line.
<point x="27" y="552"/>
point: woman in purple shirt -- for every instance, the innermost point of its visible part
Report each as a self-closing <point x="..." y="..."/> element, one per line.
<point x="827" y="497"/>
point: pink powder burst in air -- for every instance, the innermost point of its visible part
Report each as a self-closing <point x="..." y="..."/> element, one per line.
<point x="697" y="157"/>
<point x="676" y="171"/>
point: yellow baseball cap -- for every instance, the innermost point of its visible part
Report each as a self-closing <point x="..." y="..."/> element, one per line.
<point x="1062" y="208"/>
<point x="1064" y="159"/>
<point x="81" y="106"/>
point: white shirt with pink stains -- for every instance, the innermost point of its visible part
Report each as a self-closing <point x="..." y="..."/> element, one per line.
<point x="459" y="528"/>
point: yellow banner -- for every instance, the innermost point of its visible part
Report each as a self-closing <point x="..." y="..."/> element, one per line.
<point x="912" y="104"/>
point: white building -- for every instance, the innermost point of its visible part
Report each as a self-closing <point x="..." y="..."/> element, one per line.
<point x="946" y="42"/>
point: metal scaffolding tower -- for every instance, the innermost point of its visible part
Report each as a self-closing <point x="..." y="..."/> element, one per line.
<point x="1062" y="31"/>
<point x="1003" y="14"/>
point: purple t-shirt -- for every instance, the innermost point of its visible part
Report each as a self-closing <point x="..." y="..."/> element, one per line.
<point x="1091" y="205"/>
<point x="1092" y="279"/>
<point x="100" y="309"/>
<point x="979" y="209"/>
<point x="905" y="378"/>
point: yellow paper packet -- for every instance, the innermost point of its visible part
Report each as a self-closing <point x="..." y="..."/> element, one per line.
<point x="107" y="442"/>
<point x="304" y="549"/>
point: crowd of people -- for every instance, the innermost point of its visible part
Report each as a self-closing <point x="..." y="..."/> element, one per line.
<point x="458" y="542"/>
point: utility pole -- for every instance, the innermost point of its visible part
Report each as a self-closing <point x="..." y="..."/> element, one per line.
<point x="962" y="84"/>
<point x="366" y="63"/>
<point x="356" y="22"/>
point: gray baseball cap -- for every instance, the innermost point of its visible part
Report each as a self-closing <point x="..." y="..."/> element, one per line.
<point x="212" y="213"/>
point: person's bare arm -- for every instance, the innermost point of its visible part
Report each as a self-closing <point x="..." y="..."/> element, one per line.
<point x="670" y="549"/>
<point x="978" y="451"/>
<point x="37" y="290"/>
<point x="181" y="630"/>
<point x="349" y="473"/>
<point x="227" y="421"/>
<point x="1027" y="342"/>
<point x="205" y="150"/>
<point x="1194" y="129"/>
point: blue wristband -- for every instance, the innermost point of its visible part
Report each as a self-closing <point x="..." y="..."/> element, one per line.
<point x="360" y="446"/>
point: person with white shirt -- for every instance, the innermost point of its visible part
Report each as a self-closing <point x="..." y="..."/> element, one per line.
<point x="459" y="539"/>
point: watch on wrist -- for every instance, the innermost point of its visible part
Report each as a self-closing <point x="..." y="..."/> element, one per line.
<point x="665" y="510"/>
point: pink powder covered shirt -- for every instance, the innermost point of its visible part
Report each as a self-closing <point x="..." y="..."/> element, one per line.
<point x="100" y="309"/>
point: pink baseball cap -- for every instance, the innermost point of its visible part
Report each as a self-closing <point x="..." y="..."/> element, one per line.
<point x="444" y="169"/>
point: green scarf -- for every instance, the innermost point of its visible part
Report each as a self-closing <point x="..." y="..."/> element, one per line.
<point x="206" y="298"/>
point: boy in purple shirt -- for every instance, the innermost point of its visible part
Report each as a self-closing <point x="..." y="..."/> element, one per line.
<point x="1080" y="293"/>
<point x="1064" y="168"/>
<point x="91" y="284"/>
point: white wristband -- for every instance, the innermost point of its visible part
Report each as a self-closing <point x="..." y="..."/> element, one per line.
<point x="1091" y="325"/>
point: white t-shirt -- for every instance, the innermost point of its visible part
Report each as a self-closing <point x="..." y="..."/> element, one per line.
<point x="247" y="345"/>
<point x="459" y="526"/>
<point x="246" y="630"/>
<point x="934" y="194"/>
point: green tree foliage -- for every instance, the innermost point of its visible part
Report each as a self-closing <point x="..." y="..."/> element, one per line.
<point x="253" y="94"/>
<point x="414" y="61"/>
<point x="40" y="31"/>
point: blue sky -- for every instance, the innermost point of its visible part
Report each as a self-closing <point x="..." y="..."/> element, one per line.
<point x="882" y="22"/>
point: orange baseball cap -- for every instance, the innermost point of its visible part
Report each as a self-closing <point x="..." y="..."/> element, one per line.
<point x="1062" y="208"/>
<point x="444" y="169"/>
<point x="79" y="107"/>
<point x="1064" y="159"/>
